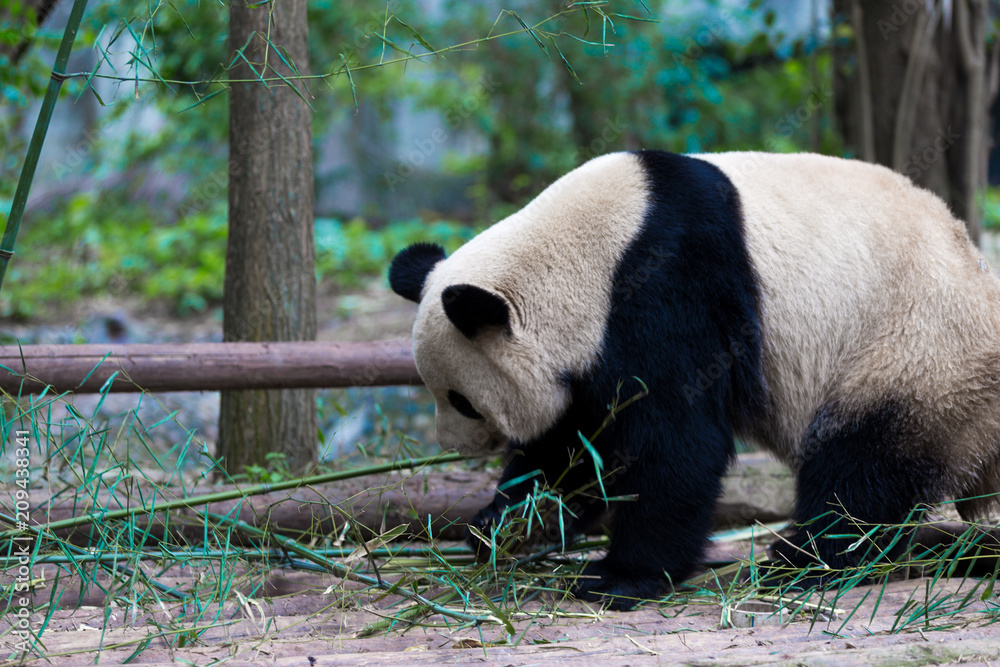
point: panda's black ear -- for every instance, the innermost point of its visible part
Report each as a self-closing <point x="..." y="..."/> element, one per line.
<point x="410" y="267"/>
<point x="471" y="308"/>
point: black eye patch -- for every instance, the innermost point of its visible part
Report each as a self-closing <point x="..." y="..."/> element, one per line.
<point x="461" y="403"/>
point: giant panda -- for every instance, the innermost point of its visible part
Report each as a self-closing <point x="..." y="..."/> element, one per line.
<point x="825" y="308"/>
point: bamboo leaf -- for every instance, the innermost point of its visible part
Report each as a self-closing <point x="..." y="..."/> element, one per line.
<point x="565" y="62"/>
<point x="350" y="80"/>
<point x="392" y="44"/>
<point x="598" y="464"/>
<point x="205" y="98"/>
<point x="149" y="58"/>
<point x="416" y="35"/>
<point x="180" y="15"/>
<point x="291" y="84"/>
<point x="586" y="41"/>
<point x="530" y="31"/>
<point x="636" y="18"/>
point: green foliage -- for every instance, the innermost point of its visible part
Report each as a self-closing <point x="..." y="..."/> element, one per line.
<point x="101" y="244"/>
<point x="611" y="83"/>
<point x="991" y="212"/>
<point x="275" y="470"/>
<point x="531" y="105"/>
<point x="347" y="253"/>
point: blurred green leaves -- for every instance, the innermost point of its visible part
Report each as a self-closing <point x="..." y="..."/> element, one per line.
<point x="514" y="118"/>
<point x="99" y="246"/>
<point x="348" y="254"/>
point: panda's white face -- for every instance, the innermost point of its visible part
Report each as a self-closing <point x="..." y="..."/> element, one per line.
<point x="488" y="389"/>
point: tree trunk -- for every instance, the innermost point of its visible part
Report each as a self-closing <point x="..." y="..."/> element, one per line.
<point x="913" y="92"/>
<point x="270" y="287"/>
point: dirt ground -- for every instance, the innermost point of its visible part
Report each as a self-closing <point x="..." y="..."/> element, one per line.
<point x="303" y="626"/>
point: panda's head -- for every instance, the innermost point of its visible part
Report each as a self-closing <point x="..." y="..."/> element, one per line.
<point x="488" y="374"/>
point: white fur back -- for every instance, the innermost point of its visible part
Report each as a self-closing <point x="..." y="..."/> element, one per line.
<point x="871" y="291"/>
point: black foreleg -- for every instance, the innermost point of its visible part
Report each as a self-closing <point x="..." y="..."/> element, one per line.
<point x="659" y="537"/>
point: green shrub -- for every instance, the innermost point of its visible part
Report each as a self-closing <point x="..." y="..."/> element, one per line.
<point x="97" y="245"/>
<point x="349" y="252"/>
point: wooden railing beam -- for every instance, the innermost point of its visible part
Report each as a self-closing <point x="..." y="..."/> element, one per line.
<point x="206" y="366"/>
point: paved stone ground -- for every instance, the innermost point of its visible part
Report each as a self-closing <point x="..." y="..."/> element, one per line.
<point x="303" y="626"/>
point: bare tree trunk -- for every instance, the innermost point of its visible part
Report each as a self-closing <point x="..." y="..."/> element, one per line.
<point x="816" y="119"/>
<point x="914" y="91"/>
<point x="866" y="119"/>
<point x="270" y="287"/>
<point x="971" y="24"/>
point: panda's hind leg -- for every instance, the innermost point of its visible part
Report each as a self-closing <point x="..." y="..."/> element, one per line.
<point x="858" y="471"/>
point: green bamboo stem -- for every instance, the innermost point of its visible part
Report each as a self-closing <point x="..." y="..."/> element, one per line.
<point x="205" y="499"/>
<point x="38" y="136"/>
<point x="189" y="555"/>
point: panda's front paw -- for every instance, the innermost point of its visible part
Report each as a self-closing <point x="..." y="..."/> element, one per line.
<point x="619" y="590"/>
<point x="484" y="525"/>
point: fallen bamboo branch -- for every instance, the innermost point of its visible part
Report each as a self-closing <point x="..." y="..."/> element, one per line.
<point x="204" y="366"/>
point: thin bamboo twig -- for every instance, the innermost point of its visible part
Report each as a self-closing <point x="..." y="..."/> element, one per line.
<point x="345" y="69"/>
<point x="38" y="136"/>
<point x="115" y="569"/>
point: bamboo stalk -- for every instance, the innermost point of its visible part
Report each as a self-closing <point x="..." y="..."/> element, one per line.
<point x="394" y="552"/>
<point x="38" y="136"/>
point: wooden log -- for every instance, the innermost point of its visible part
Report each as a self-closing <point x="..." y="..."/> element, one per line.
<point x="430" y="504"/>
<point x="434" y="504"/>
<point x="206" y="366"/>
<point x="756" y="488"/>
